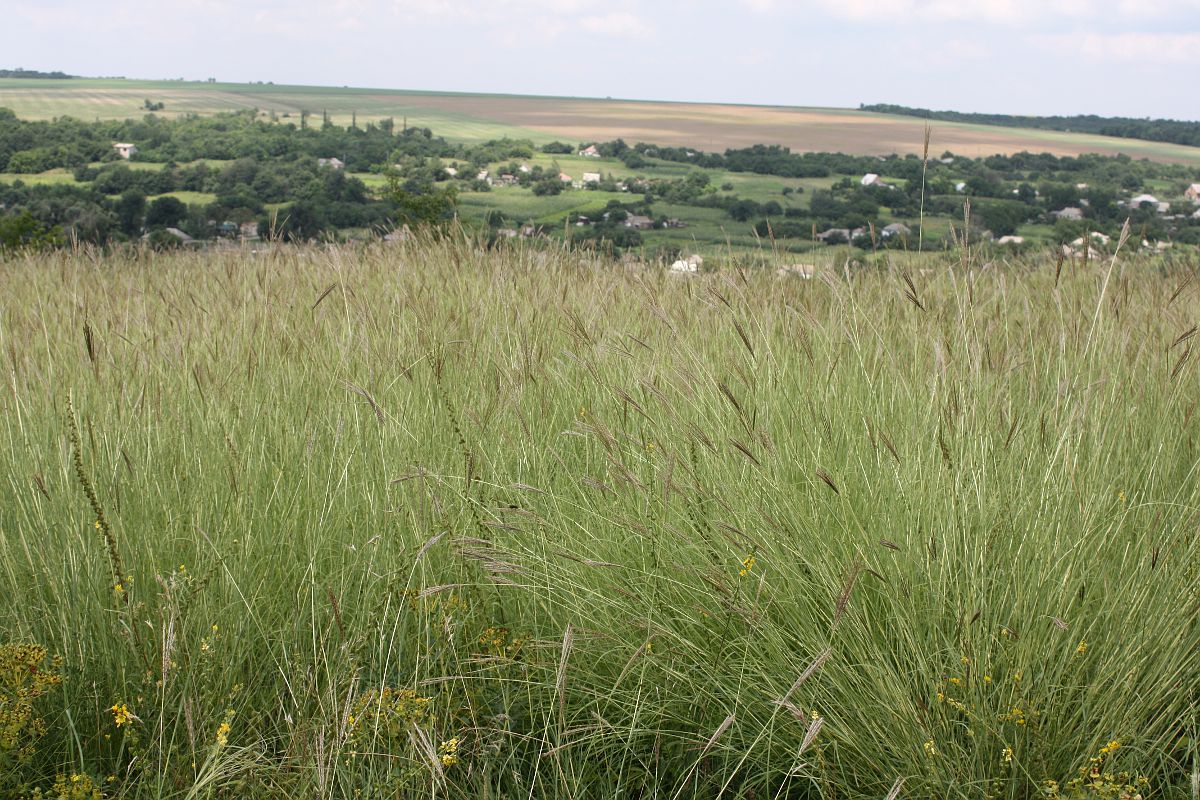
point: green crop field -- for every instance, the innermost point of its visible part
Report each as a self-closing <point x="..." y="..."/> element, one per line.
<point x="432" y="520"/>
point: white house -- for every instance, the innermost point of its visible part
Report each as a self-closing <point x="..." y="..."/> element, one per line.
<point x="332" y="163"/>
<point x="691" y="264"/>
<point x="1193" y="193"/>
<point x="125" y="149"/>
<point x="591" y="177"/>
<point x="590" y="152"/>
<point x="1136" y="202"/>
<point x="870" y="179"/>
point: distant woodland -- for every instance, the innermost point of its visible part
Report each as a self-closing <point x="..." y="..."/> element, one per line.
<point x="1152" y="130"/>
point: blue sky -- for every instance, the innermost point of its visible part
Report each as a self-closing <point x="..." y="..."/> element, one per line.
<point x="1111" y="57"/>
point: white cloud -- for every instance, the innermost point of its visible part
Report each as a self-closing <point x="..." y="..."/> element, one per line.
<point x="616" y="24"/>
<point x="1156" y="48"/>
<point x="1007" y="12"/>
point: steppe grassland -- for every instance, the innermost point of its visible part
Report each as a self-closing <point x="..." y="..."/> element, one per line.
<point x="439" y="521"/>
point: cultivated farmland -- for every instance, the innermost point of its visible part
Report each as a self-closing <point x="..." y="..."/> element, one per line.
<point x="473" y="118"/>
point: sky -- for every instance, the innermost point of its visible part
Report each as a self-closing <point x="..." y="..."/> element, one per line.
<point x="1137" y="58"/>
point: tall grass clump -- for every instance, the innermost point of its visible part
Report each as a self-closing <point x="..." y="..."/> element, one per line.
<point x="437" y="521"/>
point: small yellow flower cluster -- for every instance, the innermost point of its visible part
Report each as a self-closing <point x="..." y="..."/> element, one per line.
<point x="448" y="752"/>
<point x="1015" y="716"/>
<point x="747" y="566"/>
<point x="930" y="748"/>
<point x="121" y="714"/>
<point x="26" y="673"/>
<point x="225" y="727"/>
<point x="388" y="712"/>
<point x="1093" y="782"/>
<point x="77" y="787"/>
<point x="1081" y="648"/>
<point x="1006" y="755"/>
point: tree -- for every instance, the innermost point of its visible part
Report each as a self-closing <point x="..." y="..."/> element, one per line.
<point x="302" y="220"/>
<point x="23" y="230"/>
<point x="425" y="205"/>
<point x="131" y="209"/>
<point x="166" y="212"/>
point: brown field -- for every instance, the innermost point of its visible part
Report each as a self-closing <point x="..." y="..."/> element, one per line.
<point x="714" y="127"/>
<point x="468" y="117"/>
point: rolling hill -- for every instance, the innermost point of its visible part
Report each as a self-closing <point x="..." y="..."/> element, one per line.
<point x="477" y="117"/>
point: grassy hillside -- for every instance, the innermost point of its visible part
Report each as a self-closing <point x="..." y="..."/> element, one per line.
<point x="434" y="521"/>
<point x="468" y="117"/>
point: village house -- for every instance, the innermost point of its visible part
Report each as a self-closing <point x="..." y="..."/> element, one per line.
<point x="125" y="149"/>
<point x="834" y="236"/>
<point x="524" y="169"/>
<point x="590" y="152"/>
<point x="400" y="234"/>
<point x="332" y="163"/>
<point x="804" y="271"/>
<point x="565" y="178"/>
<point x="248" y="230"/>
<point x="451" y="171"/>
<point x="638" y="222"/>
<point x="686" y="266"/>
<point x="1193" y="193"/>
<point x="1149" y="199"/>
<point x="896" y="229"/>
<point x="1011" y="240"/>
<point x="507" y="180"/>
<point x="591" y="177"/>
<point x="870" y="179"/>
<point x="1070" y="212"/>
<point x="675" y="222"/>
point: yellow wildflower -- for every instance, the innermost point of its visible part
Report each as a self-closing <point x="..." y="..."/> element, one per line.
<point x="987" y="678"/>
<point x="121" y="714"/>
<point x="222" y="737"/>
<point x="1006" y="755"/>
<point x="448" y="752"/>
<point x="747" y="566"/>
<point x="1110" y="747"/>
<point x="930" y="749"/>
<point x="1081" y="648"/>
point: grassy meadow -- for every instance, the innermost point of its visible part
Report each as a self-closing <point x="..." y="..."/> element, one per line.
<point x="430" y="520"/>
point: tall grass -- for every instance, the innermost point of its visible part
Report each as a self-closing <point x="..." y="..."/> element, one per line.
<point x="431" y="521"/>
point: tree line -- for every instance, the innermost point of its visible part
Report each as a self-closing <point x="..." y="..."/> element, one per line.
<point x="1174" y="131"/>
